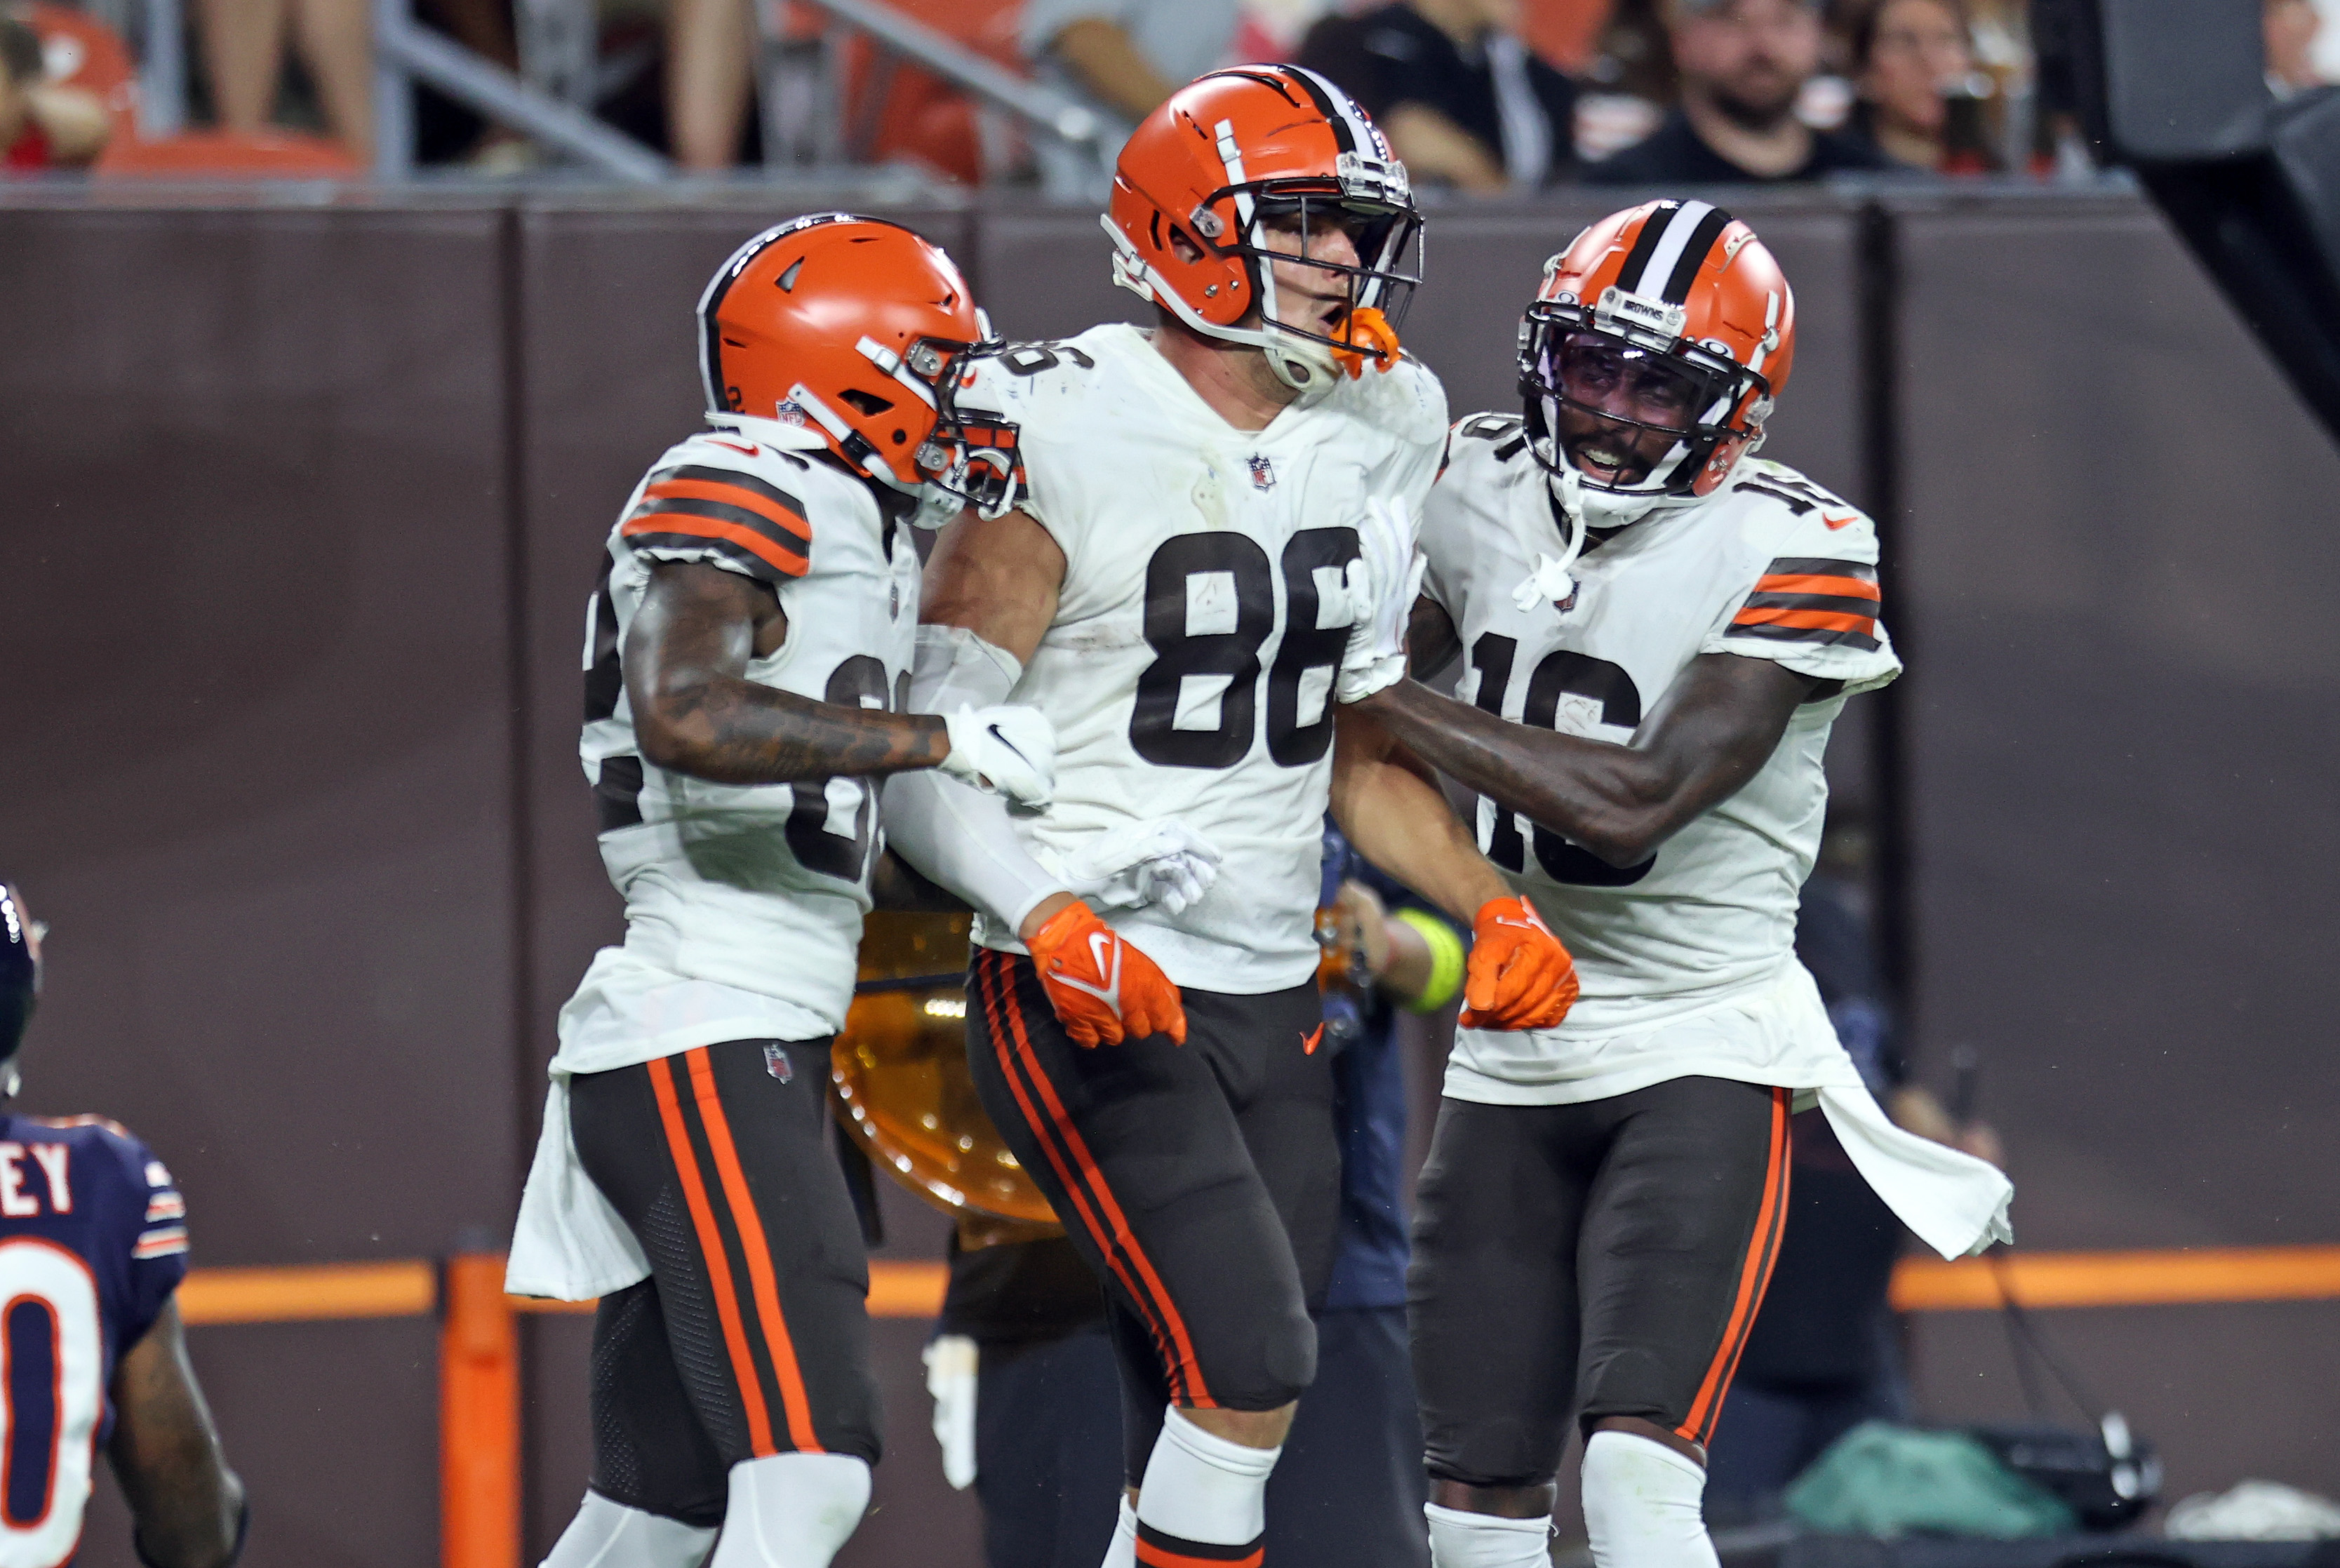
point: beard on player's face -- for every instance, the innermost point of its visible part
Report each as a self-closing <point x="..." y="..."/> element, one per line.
<point x="1607" y="451"/>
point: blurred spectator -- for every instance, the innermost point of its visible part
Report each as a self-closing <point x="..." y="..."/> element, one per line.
<point x="243" y="53"/>
<point x="1460" y="98"/>
<point x="710" y="58"/>
<point x="1122" y="58"/>
<point x="1912" y="68"/>
<point x="2291" y="27"/>
<point x="1741" y="66"/>
<point x="43" y="126"/>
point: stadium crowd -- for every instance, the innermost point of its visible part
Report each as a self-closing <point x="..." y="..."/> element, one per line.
<point x="1478" y="97"/>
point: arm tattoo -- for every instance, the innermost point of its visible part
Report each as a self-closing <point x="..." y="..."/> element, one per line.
<point x="695" y="712"/>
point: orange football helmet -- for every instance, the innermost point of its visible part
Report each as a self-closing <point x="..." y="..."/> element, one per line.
<point x="860" y="331"/>
<point x="1667" y="321"/>
<point x="1237" y="157"/>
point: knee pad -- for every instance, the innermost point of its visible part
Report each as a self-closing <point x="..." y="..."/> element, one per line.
<point x="791" y="1509"/>
<point x="608" y="1535"/>
<point x="1641" y="1504"/>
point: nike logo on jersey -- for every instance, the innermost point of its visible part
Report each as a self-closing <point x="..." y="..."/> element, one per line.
<point x="1309" y="1041"/>
<point x="1835" y="521"/>
<point x="735" y="446"/>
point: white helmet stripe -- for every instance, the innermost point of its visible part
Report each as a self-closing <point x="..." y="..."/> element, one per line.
<point x="1680" y="224"/>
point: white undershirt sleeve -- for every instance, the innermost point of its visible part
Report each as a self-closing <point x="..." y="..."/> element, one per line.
<point x="956" y="836"/>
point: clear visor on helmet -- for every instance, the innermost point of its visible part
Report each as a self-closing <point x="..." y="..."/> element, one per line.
<point x="971" y="454"/>
<point x="1626" y="413"/>
<point x="1321" y="256"/>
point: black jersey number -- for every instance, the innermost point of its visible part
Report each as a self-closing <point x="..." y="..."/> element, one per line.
<point x="1031" y="358"/>
<point x="1230" y="572"/>
<point x="1563" y="672"/>
<point x="858" y="683"/>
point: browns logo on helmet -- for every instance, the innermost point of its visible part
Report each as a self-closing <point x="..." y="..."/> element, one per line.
<point x="861" y="331"/>
<point x="1243" y="168"/>
<point x="1652" y="355"/>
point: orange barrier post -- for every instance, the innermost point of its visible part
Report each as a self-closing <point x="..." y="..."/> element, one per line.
<point x="479" y="1418"/>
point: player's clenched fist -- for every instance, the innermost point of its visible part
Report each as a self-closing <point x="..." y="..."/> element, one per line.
<point x="1519" y="976"/>
<point x="1104" y="990"/>
<point x="1010" y="751"/>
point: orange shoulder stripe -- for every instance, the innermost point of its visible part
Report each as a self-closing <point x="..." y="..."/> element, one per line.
<point x="754" y="543"/>
<point x="1840" y="586"/>
<point x="747" y="500"/>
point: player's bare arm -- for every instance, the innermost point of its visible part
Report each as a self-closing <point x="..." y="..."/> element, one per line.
<point x="188" y="1506"/>
<point x="1390" y="808"/>
<point x="999" y="577"/>
<point x="1708" y="736"/>
<point x="695" y="712"/>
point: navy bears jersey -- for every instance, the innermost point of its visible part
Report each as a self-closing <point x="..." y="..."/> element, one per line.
<point x="93" y="1241"/>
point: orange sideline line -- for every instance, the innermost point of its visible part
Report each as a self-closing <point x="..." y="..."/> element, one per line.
<point x="409" y="1288"/>
<point x="895" y="1290"/>
<point x="2160" y="1278"/>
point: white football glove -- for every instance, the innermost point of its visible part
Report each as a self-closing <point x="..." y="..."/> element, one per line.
<point x="1162" y="862"/>
<point x="1010" y="751"/>
<point x="1383" y="581"/>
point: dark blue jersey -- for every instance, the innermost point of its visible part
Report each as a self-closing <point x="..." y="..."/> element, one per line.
<point x="93" y="1241"/>
<point x="1369" y="1088"/>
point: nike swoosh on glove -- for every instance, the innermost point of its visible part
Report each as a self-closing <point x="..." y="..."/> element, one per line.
<point x="1383" y="583"/>
<point x="1162" y="862"/>
<point x="1011" y="751"/>
<point x="1519" y="976"/>
<point x="1104" y="990"/>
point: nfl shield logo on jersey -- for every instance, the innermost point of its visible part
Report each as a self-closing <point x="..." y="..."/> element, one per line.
<point x="1262" y="474"/>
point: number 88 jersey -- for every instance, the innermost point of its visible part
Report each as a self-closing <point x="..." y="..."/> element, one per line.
<point x="1768" y="566"/>
<point x="1189" y="669"/>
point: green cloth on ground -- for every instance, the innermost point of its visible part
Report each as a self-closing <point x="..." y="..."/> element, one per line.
<point x="1879" y="1479"/>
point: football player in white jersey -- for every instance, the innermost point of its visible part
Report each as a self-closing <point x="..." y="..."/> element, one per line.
<point x="747" y="652"/>
<point x="1178" y="590"/>
<point x="1659" y="631"/>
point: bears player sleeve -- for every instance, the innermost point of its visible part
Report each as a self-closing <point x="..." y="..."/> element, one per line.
<point x="158" y="1258"/>
<point x="1812" y="602"/>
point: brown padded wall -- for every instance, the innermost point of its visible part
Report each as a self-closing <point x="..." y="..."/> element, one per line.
<point x="610" y="380"/>
<point x="2115" y="579"/>
<point x="252" y="609"/>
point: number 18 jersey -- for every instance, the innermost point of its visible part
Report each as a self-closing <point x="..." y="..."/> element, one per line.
<point x="1189" y="670"/>
<point x="1768" y="566"/>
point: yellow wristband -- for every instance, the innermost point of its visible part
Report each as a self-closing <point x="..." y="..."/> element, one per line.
<point x="1446" y="953"/>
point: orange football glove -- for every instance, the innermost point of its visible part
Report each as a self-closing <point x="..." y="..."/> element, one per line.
<point x="1104" y="990"/>
<point x="1520" y="976"/>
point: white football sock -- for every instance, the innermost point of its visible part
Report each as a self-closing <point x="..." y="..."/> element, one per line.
<point x="1123" y="1553"/>
<point x="607" y="1535"/>
<point x="1459" y="1539"/>
<point x="1202" y="1490"/>
<point x="1641" y="1504"/>
<point x="791" y="1509"/>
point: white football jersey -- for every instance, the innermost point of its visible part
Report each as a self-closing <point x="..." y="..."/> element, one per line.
<point x="1768" y="566"/>
<point x="743" y="903"/>
<point x="1189" y="671"/>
